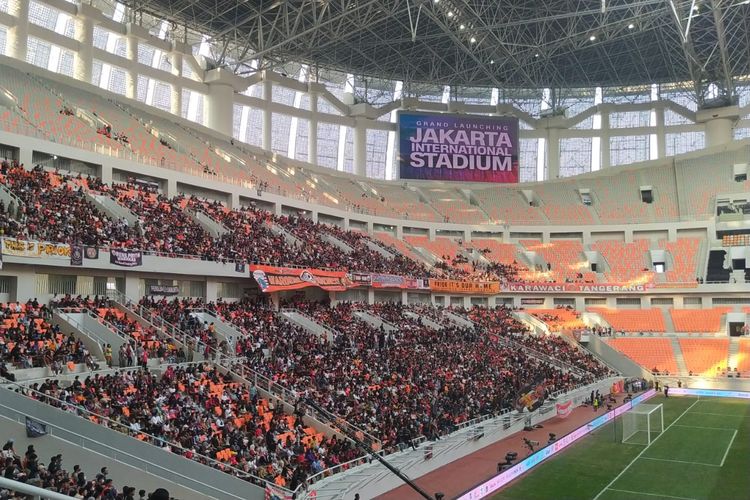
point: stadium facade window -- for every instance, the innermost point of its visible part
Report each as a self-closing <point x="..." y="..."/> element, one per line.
<point x="377" y="146"/>
<point x="43" y="15"/>
<point x="37" y="52"/>
<point x="161" y="96"/>
<point x="575" y="156"/>
<point x="3" y="39"/>
<point x="254" y="129"/>
<point x="302" y="140"/>
<point x="528" y="161"/>
<point x="629" y="119"/>
<point x="4" y="5"/>
<point x="64" y="63"/>
<point x="683" y="99"/>
<point x="347" y="153"/>
<point x="116" y="81"/>
<point x="96" y="72"/>
<point x="280" y="133"/>
<point x="328" y="144"/>
<point x="629" y="95"/>
<point x="575" y="104"/>
<point x="237" y="120"/>
<point x="282" y="95"/>
<point x="628" y="149"/>
<point x="141" y="88"/>
<point x="684" y="142"/>
<point x="741" y="133"/>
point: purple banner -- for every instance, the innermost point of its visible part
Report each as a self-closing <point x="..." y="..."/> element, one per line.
<point x="458" y="147"/>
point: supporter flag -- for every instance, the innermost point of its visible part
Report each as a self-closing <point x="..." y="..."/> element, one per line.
<point x="1" y="260"/>
<point x="531" y="397"/>
<point x="91" y="252"/>
<point x="564" y="409"/>
<point x="34" y="428"/>
<point x="239" y="267"/>
<point x="125" y="258"/>
<point x="76" y="255"/>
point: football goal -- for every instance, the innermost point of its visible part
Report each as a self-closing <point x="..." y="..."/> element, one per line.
<point x="642" y="424"/>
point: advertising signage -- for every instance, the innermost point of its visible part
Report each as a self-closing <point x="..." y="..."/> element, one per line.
<point x="467" y="148"/>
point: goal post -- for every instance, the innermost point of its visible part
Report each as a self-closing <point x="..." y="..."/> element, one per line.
<point x="642" y="424"/>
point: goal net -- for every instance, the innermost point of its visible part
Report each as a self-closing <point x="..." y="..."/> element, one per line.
<point x="642" y="424"/>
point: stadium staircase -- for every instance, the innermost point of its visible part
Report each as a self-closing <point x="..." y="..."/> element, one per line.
<point x="224" y="330"/>
<point x="374" y="321"/>
<point x="428" y="322"/>
<point x="112" y="208"/>
<point x="734" y="352"/>
<point x="288" y="237"/>
<point x="329" y="238"/>
<point x="149" y="318"/>
<point x="457" y="319"/>
<point x="209" y="225"/>
<point x="297" y="317"/>
<point x="668" y="323"/>
<point x="91" y="330"/>
<point x="9" y="198"/>
<point x="379" y="249"/>
<point x="678" y="356"/>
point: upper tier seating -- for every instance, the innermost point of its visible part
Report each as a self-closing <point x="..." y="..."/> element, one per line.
<point x="560" y="319"/>
<point x="705" y="356"/>
<point x="632" y="321"/>
<point x="508" y="206"/>
<point x="566" y="259"/>
<point x="698" y="320"/>
<point x="627" y="261"/>
<point x="649" y="353"/>
<point x="453" y="206"/>
<point x="684" y="252"/>
<point x="743" y="357"/>
<point x="495" y="251"/>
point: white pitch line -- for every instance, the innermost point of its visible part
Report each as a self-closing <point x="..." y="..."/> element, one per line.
<point x="679" y="461"/>
<point x="650" y="494"/>
<point x="710" y="428"/>
<point x="718" y="414"/>
<point x="731" y="441"/>
<point x="644" y="451"/>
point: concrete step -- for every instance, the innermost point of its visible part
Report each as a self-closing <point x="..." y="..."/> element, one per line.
<point x="668" y="323"/>
<point x="678" y="356"/>
<point x="734" y="352"/>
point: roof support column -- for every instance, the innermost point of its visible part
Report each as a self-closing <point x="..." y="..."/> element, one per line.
<point x="360" y="147"/>
<point x="604" y="140"/>
<point x="267" y="113"/>
<point x="84" y="33"/>
<point x="312" y="129"/>
<point x="18" y="35"/>
<point x="220" y="99"/>
<point x="175" y="100"/>
<point x="131" y="73"/>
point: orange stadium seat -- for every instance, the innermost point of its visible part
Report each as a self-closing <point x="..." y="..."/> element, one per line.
<point x="649" y="353"/>
<point x="698" y="320"/>
<point x="636" y="320"/>
<point x="705" y="356"/>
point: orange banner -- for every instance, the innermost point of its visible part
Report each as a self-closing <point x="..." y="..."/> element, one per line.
<point x="455" y="286"/>
<point x="276" y="279"/>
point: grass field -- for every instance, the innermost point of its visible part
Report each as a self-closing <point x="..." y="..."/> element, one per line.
<point x="703" y="454"/>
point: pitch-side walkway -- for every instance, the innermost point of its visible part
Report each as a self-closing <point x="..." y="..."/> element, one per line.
<point x="457" y="477"/>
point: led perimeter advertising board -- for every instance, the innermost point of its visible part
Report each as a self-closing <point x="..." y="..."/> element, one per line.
<point x="467" y="148"/>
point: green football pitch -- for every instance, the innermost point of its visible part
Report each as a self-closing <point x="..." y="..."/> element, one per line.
<point x="703" y="454"/>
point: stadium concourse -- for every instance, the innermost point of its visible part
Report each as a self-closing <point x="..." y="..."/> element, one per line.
<point x="326" y="250"/>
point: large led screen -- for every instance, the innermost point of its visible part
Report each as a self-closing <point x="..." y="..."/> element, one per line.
<point x="458" y="147"/>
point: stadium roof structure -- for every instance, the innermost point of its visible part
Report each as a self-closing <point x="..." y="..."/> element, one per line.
<point x="494" y="43"/>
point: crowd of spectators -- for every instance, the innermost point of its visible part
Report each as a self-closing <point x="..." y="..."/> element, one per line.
<point x="28" y="468"/>
<point x="199" y="413"/>
<point x="28" y="340"/>
<point x="54" y="208"/>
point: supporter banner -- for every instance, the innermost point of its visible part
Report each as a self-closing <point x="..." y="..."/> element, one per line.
<point x="35" y="428"/>
<point x="455" y="286"/>
<point x="36" y="249"/>
<point x="277" y="493"/>
<point x="276" y="279"/>
<point x="76" y="255"/>
<point x="394" y="281"/>
<point x="125" y="258"/>
<point x="364" y="279"/>
<point x="564" y="409"/>
<point x="458" y="147"/>
<point x="91" y="252"/>
<point x="575" y="288"/>
<point x="163" y="290"/>
<point x="239" y="267"/>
